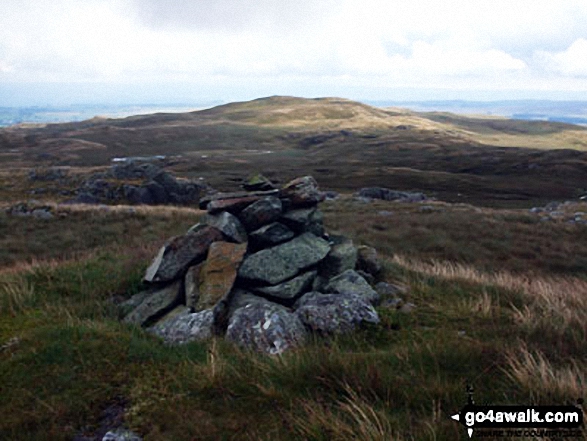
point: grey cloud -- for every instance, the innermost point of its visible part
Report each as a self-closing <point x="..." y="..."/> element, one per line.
<point x="231" y="15"/>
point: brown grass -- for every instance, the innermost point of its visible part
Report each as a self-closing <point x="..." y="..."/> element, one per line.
<point x="555" y="303"/>
<point x="533" y="371"/>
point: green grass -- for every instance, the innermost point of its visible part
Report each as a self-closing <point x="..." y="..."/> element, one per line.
<point x="66" y="358"/>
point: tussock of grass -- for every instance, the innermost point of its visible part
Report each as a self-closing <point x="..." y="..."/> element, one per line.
<point x="548" y="383"/>
<point x="556" y="306"/>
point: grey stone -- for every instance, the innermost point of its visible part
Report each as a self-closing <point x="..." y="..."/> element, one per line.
<point x="261" y="212"/>
<point x="224" y="309"/>
<point x="302" y="192"/>
<point x="367" y="260"/>
<point x="228" y="224"/>
<point x="180" y="253"/>
<point x="269" y="235"/>
<point x="335" y="313"/>
<point x="233" y="201"/>
<point x="304" y="220"/>
<point x="282" y="262"/>
<point x="128" y="305"/>
<point x="342" y="257"/>
<point x="185" y="327"/>
<point x="351" y="282"/>
<point x="155" y="305"/>
<point x="265" y="327"/>
<point x="385" y="289"/>
<point x="291" y="289"/>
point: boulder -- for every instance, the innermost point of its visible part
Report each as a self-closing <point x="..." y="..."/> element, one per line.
<point x="304" y="220"/>
<point x="219" y="272"/>
<point x="335" y="313"/>
<point x="290" y="290"/>
<point x="302" y="192"/>
<point x="137" y="195"/>
<point x="265" y="327"/>
<point x="180" y="253"/>
<point x="367" y="260"/>
<point x="342" y="257"/>
<point x="282" y="262"/>
<point x="158" y="193"/>
<point x="351" y="282"/>
<point x="262" y="212"/>
<point x="224" y="309"/>
<point x="185" y="327"/>
<point x="269" y="235"/>
<point x="155" y="305"/>
<point x="228" y="224"/>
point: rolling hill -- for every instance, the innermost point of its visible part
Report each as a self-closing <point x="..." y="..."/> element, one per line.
<point x="345" y="144"/>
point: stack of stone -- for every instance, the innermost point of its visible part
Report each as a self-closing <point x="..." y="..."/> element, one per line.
<point x="260" y="270"/>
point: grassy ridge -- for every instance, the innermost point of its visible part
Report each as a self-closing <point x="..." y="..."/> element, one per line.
<point x="65" y="359"/>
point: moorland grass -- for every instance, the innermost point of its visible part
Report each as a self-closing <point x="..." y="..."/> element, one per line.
<point x="65" y="358"/>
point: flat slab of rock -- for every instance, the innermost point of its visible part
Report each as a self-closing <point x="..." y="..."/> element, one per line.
<point x="233" y="201"/>
<point x="219" y="272"/>
<point x="302" y="192"/>
<point x="349" y="282"/>
<point x="282" y="262"/>
<point x="269" y="235"/>
<point x="181" y="252"/>
<point x="265" y="327"/>
<point x="228" y="224"/>
<point x="185" y="327"/>
<point x="155" y="305"/>
<point x="261" y="212"/>
<point x="335" y="313"/>
<point x="291" y="289"/>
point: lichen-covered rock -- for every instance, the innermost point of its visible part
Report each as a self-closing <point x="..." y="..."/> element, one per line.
<point x="224" y="309"/>
<point x="335" y="313"/>
<point x="351" y="282"/>
<point x="261" y="212"/>
<point x="275" y="265"/>
<point x="265" y="327"/>
<point x="367" y="260"/>
<point x="269" y="235"/>
<point x="180" y="253"/>
<point x="291" y="289"/>
<point x="304" y="220"/>
<point x="219" y="272"/>
<point x="342" y="257"/>
<point x="228" y="224"/>
<point x="186" y="327"/>
<point x="156" y="304"/>
<point x="258" y="183"/>
<point x="302" y="192"/>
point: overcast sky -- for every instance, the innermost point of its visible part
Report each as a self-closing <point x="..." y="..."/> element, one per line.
<point x="182" y="51"/>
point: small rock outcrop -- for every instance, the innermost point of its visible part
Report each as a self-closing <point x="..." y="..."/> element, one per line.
<point x="387" y="194"/>
<point x="138" y="183"/>
<point x="259" y="270"/>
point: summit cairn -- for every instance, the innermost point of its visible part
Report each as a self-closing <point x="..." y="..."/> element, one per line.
<point x="259" y="270"/>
